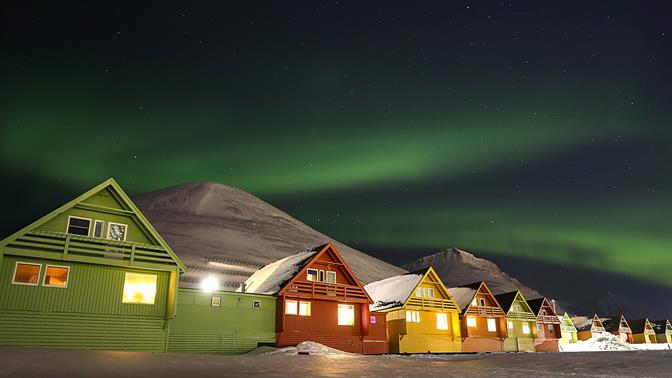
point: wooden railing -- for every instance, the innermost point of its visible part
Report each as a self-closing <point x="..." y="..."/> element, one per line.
<point x="548" y="319"/>
<point x="432" y="303"/>
<point x="521" y="316"/>
<point x="315" y="289"/>
<point x="485" y="311"/>
<point x="57" y="245"/>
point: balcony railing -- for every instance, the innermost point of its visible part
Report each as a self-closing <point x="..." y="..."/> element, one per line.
<point x="548" y="319"/>
<point x="485" y="311"/>
<point x="315" y="289"/>
<point x="57" y="245"/>
<point x="432" y="303"/>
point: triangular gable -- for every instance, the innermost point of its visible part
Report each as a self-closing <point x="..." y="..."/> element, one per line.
<point x="567" y="323"/>
<point x="597" y="324"/>
<point x="541" y="304"/>
<point x="430" y="275"/>
<point x="623" y="321"/>
<point x="484" y="290"/>
<point x="508" y="300"/>
<point x="128" y="208"/>
<point x="334" y="254"/>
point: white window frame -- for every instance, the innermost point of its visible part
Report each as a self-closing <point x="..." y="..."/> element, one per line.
<point x="308" y="307"/>
<point x="102" y="229"/>
<point x="481" y="302"/>
<point x="39" y="272"/>
<point x="492" y="322"/>
<point x="412" y="316"/>
<point x="256" y="304"/>
<point x="440" y="317"/>
<point x="156" y="283"/>
<point x="317" y="272"/>
<point x="471" y="322"/>
<point x="509" y="324"/>
<point x="418" y="292"/>
<point x="109" y="226"/>
<point x="526" y="329"/>
<point x="67" y="226"/>
<point x="349" y="307"/>
<point x="430" y="292"/>
<point x="44" y="277"/>
<point x="321" y="276"/>
<point x="333" y="274"/>
<point x="295" y="306"/>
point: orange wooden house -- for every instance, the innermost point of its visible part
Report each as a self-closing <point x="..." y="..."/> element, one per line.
<point x="548" y="325"/>
<point x="618" y="326"/>
<point x="587" y="327"/>
<point x="321" y="300"/>
<point x="482" y="321"/>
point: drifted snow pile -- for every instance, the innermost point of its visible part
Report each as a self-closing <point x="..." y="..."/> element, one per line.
<point x="605" y="341"/>
<point x="307" y="347"/>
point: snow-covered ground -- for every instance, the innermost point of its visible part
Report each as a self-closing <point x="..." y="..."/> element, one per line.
<point x="307" y="347"/>
<point x="608" y="342"/>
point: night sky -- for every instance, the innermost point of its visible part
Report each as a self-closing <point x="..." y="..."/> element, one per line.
<point x="535" y="130"/>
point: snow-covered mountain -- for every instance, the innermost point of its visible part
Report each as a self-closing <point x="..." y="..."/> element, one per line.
<point x="223" y="231"/>
<point x="456" y="267"/>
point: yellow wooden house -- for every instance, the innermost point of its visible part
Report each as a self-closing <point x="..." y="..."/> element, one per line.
<point x="642" y="331"/>
<point x="663" y="329"/>
<point x="421" y="315"/>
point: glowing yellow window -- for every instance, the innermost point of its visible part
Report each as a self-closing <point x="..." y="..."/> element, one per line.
<point x="304" y="308"/>
<point x="441" y="321"/>
<point x="26" y="274"/>
<point x="291" y="307"/>
<point x="471" y="321"/>
<point x="526" y="329"/>
<point x="492" y="325"/>
<point x="139" y="288"/>
<point x="56" y="276"/>
<point x="346" y="315"/>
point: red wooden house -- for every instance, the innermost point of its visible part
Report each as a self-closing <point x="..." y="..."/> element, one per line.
<point x="320" y="300"/>
<point x="548" y="325"/>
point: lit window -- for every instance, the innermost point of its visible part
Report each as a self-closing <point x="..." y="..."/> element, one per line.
<point x="116" y="231"/>
<point x="304" y="308"/>
<point x="139" y="288"/>
<point x="509" y="324"/>
<point x="291" y="307"/>
<point x="26" y="274"/>
<point x="418" y="292"/>
<point x="441" y="321"/>
<point x="56" y="276"/>
<point x="346" y="315"/>
<point x="473" y="302"/>
<point x="471" y="321"/>
<point x="331" y="277"/>
<point x="311" y="275"/>
<point x="526" y="329"/>
<point x="413" y="316"/>
<point x="78" y="226"/>
<point x="98" y="228"/>
<point x="492" y="325"/>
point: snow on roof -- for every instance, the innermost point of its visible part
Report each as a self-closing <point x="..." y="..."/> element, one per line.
<point x="271" y="278"/>
<point x="462" y="296"/>
<point x="392" y="292"/>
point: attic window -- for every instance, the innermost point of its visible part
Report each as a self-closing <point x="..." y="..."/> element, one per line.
<point x="78" y="226"/>
<point x="98" y="228"/>
<point x="311" y="275"/>
<point x="331" y="277"/>
<point x="116" y="231"/>
<point x="481" y="302"/>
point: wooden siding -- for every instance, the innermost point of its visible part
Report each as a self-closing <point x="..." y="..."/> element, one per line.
<point x="74" y="330"/>
<point x="423" y="336"/>
<point x="482" y="344"/>
<point x="234" y="327"/>
<point x="92" y="289"/>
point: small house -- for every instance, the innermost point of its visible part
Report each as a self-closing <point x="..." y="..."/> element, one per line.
<point x="642" y="331"/>
<point x="587" y="327"/>
<point x="663" y="329"/>
<point x="421" y="315"/>
<point x="92" y="274"/>
<point x="320" y="299"/>
<point x="567" y="330"/>
<point x="482" y="320"/>
<point x="548" y="326"/>
<point x="521" y="322"/>
<point x="221" y="322"/>
<point x="619" y="326"/>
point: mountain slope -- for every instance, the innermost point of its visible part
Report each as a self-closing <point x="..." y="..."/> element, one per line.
<point x="223" y="231"/>
<point x="457" y="267"/>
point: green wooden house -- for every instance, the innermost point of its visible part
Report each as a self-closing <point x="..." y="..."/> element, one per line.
<point x="91" y="274"/>
<point x="222" y="322"/>
<point x="567" y="330"/>
<point x="521" y="322"/>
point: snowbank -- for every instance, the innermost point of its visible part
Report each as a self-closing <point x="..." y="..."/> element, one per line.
<point x="307" y="347"/>
<point x="605" y="341"/>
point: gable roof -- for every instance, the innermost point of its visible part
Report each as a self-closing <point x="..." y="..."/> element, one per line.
<point x="638" y="325"/>
<point x="464" y="294"/>
<point x="273" y="277"/>
<point x="398" y="291"/>
<point x="566" y="323"/>
<point x="123" y="199"/>
<point x="537" y="303"/>
<point x="613" y="324"/>
<point x="506" y="299"/>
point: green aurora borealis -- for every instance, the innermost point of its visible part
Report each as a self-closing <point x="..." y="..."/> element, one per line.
<point x="539" y="133"/>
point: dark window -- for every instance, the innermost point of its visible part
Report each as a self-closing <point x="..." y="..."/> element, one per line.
<point x="98" y="229"/>
<point x="256" y="304"/>
<point x="79" y="226"/>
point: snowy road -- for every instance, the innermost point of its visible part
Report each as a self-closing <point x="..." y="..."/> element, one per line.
<point x="53" y="363"/>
